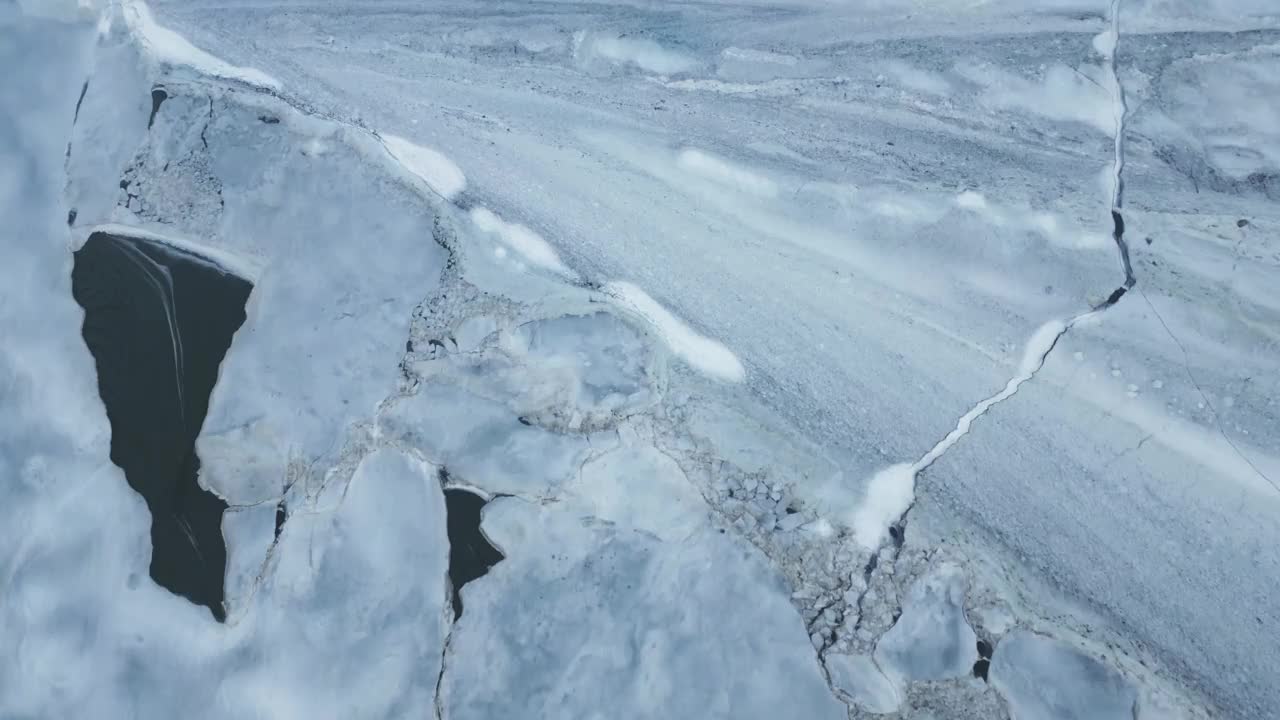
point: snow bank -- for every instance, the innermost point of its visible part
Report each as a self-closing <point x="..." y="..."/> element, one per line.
<point x="641" y="52"/>
<point x="701" y="352"/>
<point x="169" y="47"/>
<point x="437" y="171"/>
<point x="530" y="245"/>
<point x="889" y="494"/>
<point x="1062" y="93"/>
<point x="725" y="173"/>
<point x="247" y="267"/>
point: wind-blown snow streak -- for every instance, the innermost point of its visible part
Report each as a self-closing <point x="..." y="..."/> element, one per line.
<point x="437" y="171"/>
<point x="703" y="353"/>
<point x="167" y="46"/>
<point x="530" y="245"/>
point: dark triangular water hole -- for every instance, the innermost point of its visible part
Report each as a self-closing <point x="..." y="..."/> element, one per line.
<point x="470" y="554"/>
<point x="158" y="321"/>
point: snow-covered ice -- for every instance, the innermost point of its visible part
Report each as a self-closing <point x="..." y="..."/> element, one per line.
<point x="694" y="284"/>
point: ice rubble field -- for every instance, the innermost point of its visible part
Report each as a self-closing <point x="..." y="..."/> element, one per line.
<point x="785" y="341"/>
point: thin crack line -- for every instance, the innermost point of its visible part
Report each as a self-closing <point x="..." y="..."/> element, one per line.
<point x="1217" y="419"/>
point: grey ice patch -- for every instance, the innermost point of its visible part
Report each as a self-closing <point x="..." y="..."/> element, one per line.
<point x="1043" y="679"/>
<point x="932" y="640"/>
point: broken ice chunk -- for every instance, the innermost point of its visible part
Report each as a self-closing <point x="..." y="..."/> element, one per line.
<point x="1044" y="679"/>
<point x="932" y="640"/>
<point x="479" y="440"/>
<point x="584" y="618"/>
<point x="642" y="488"/>
<point x="858" y="677"/>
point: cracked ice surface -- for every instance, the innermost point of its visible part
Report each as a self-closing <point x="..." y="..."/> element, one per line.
<point x="854" y="213"/>
<point x="583" y="618"/>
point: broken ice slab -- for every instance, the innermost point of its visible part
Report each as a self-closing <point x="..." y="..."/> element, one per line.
<point x="583" y="618"/>
<point x="639" y="487"/>
<point x="571" y="373"/>
<point x="1044" y="679"/>
<point x="858" y="677"/>
<point x="932" y="639"/>
<point x="483" y="443"/>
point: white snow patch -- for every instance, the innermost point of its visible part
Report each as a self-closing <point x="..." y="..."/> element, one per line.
<point x="726" y="88"/>
<point x="920" y="80"/>
<point x="437" y="171"/>
<point x="889" y="494"/>
<point x="531" y="246"/>
<point x="1063" y="93"/>
<point x="701" y="352"/>
<point x="169" y="47"/>
<point x="1045" y="224"/>
<point x="641" y="52"/>
<point x="759" y="56"/>
<point x="726" y="173"/>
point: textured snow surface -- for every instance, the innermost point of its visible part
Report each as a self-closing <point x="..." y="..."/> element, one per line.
<point x="674" y="287"/>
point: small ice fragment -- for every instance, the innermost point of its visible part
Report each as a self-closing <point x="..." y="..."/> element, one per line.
<point x="791" y="522"/>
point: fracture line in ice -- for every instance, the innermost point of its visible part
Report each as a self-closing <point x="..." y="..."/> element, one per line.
<point x="891" y="491"/>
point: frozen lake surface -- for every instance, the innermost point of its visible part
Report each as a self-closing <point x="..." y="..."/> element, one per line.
<point x="749" y="358"/>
